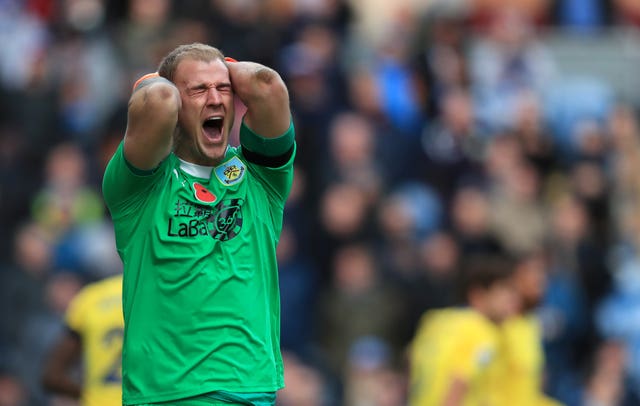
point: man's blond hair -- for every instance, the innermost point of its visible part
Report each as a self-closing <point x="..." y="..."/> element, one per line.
<point x="197" y="51"/>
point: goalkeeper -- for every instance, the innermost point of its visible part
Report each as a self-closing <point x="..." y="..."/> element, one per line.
<point x="197" y="222"/>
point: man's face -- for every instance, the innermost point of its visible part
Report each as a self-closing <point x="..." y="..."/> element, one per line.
<point x="501" y="301"/>
<point x="207" y="111"/>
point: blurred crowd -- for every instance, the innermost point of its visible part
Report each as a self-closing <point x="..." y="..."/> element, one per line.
<point x="427" y="131"/>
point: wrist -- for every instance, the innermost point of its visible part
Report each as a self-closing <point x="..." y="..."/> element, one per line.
<point x="144" y="78"/>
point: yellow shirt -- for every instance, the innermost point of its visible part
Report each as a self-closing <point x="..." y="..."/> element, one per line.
<point x="452" y="343"/>
<point x="95" y="314"/>
<point x="519" y="365"/>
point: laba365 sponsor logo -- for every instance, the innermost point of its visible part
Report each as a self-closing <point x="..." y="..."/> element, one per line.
<point x="222" y="221"/>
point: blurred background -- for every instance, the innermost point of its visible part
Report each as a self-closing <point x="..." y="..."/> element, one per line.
<point x="427" y="131"/>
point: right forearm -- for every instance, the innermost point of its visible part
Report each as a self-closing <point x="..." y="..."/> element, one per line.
<point x="265" y="94"/>
<point x="155" y="102"/>
<point x="152" y="119"/>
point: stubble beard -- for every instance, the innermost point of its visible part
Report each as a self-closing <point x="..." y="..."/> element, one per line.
<point x="190" y="149"/>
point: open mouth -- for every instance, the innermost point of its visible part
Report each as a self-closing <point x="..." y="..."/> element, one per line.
<point x="212" y="128"/>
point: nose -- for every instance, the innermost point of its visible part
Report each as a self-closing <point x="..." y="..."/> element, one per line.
<point x="214" y="97"/>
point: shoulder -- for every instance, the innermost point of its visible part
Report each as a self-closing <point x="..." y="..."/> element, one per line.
<point x="477" y="325"/>
<point x="521" y="329"/>
<point x="123" y="182"/>
<point x="96" y="290"/>
<point x="107" y="285"/>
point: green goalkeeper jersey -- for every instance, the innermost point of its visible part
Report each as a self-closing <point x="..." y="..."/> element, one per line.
<point x="200" y="295"/>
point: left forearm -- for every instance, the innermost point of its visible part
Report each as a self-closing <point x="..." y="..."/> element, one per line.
<point x="265" y="94"/>
<point x="252" y="81"/>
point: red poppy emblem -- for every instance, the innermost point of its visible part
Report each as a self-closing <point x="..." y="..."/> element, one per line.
<point x="203" y="194"/>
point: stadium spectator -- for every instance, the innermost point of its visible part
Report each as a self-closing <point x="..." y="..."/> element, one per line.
<point x="93" y="335"/>
<point x="519" y="366"/>
<point x="454" y="349"/>
<point x="359" y="303"/>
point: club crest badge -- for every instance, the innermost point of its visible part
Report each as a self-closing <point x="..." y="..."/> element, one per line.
<point x="230" y="172"/>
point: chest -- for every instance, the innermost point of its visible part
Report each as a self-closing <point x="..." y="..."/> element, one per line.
<point x="212" y="210"/>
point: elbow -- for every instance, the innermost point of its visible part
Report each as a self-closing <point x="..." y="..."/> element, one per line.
<point x="267" y="76"/>
<point x="162" y="98"/>
<point x="271" y="86"/>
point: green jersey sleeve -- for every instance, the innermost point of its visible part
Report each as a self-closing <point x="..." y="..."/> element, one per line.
<point x="124" y="186"/>
<point x="270" y="159"/>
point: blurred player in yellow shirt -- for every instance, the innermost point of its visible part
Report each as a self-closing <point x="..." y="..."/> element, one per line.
<point x="94" y="335"/>
<point x="453" y="348"/>
<point x="520" y="359"/>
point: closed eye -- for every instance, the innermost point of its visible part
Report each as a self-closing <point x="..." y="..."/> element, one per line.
<point x="225" y="87"/>
<point x="197" y="90"/>
<point x="201" y="89"/>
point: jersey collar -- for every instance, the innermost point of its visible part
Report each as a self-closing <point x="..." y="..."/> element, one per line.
<point x="199" y="171"/>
